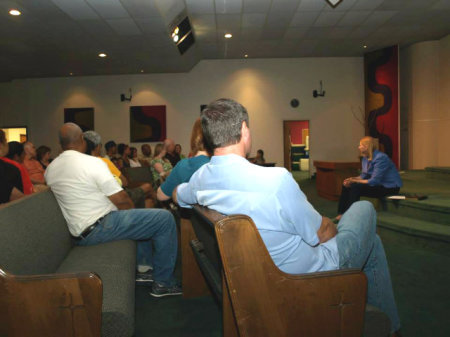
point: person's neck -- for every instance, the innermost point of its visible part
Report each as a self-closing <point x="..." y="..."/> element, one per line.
<point x="201" y="153"/>
<point x="236" y="149"/>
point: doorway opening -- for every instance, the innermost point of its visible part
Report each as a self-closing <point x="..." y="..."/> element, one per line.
<point x="296" y="147"/>
<point x="18" y="134"/>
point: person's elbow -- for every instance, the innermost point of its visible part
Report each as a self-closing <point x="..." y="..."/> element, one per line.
<point x="160" y="195"/>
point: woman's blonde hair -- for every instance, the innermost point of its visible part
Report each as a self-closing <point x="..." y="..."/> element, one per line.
<point x="372" y="145"/>
<point x="158" y="148"/>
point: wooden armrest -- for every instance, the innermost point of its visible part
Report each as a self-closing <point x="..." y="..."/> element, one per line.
<point x="50" y="305"/>
<point x="269" y="302"/>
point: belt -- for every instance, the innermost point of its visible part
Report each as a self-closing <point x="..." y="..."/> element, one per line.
<point x="88" y="230"/>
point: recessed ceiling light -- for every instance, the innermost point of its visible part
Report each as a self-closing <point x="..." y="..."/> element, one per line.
<point x="245" y="55"/>
<point x="364" y="46"/>
<point x="14" y="12"/>
<point x="71" y="74"/>
<point x="102" y="55"/>
<point x="228" y="36"/>
<point x="142" y="70"/>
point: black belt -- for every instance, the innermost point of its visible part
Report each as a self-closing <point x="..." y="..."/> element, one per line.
<point x="88" y="230"/>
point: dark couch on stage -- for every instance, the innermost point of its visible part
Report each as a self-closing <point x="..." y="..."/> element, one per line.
<point x="56" y="287"/>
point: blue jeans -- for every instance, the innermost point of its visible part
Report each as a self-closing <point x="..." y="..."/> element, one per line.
<point x="142" y="225"/>
<point x="360" y="247"/>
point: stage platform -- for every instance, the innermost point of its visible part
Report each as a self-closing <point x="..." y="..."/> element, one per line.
<point x="415" y="235"/>
<point x="427" y="219"/>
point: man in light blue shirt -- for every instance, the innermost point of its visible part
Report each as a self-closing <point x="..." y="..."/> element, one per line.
<point x="297" y="237"/>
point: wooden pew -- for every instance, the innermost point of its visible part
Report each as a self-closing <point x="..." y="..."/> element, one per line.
<point x="260" y="300"/>
<point x="50" y="305"/>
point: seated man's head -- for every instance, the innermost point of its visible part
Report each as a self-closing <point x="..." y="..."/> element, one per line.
<point x="30" y="150"/>
<point x="93" y="143"/>
<point x="146" y="150"/>
<point x="111" y="147"/>
<point x="16" y="151"/>
<point x="169" y="145"/>
<point x="71" y="138"/>
<point x="225" y="123"/>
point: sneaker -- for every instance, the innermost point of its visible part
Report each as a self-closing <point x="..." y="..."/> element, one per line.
<point x="160" y="290"/>
<point x="144" y="278"/>
<point x="142" y="268"/>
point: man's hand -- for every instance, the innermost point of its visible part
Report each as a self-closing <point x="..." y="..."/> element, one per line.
<point x="327" y="230"/>
<point x="121" y="200"/>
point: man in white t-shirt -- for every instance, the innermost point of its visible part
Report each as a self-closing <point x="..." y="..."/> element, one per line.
<point x="98" y="210"/>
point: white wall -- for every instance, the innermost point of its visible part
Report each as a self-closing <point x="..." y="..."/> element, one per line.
<point x="264" y="86"/>
<point x="425" y="84"/>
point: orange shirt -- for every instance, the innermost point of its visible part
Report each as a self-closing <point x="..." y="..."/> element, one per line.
<point x="35" y="170"/>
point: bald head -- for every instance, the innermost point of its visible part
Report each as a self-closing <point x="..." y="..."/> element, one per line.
<point x="71" y="137"/>
<point x="169" y="145"/>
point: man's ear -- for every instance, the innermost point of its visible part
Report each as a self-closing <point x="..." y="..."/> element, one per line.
<point x="245" y="131"/>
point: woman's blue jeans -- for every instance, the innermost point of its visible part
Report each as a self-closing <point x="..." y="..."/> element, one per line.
<point x="142" y="225"/>
<point x="360" y="247"/>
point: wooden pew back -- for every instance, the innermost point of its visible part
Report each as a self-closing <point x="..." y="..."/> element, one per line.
<point x="260" y="300"/>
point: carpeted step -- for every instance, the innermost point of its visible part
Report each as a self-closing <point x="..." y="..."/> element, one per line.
<point x="438" y="172"/>
<point x="414" y="227"/>
<point x="435" y="209"/>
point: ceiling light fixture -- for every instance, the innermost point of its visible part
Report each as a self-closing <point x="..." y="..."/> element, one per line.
<point x="102" y="55"/>
<point x="245" y="55"/>
<point x="334" y="3"/>
<point x="14" y="12"/>
<point x="228" y="36"/>
<point x="142" y="70"/>
<point x="364" y="46"/>
<point x="182" y="35"/>
<point x="71" y="74"/>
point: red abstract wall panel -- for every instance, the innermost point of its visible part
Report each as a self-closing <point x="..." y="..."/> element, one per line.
<point x="148" y="123"/>
<point x="381" y="94"/>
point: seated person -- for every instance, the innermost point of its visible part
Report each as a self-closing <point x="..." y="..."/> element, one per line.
<point x="15" y="154"/>
<point x="111" y="150"/>
<point x="123" y="150"/>
<point x="185" y="168"/>
<point x="43" y="155"/>
<point x="297" y="237"/>
<point x="171" y="155"/>
<point x="146" y="157"/>
<point x="32" y="165"/>
<point x="10" y="180"/>
<point x="160" y="166"/>
<point x="178" y="151"/>
<point x="133" y="158"/>
<point x="98" y="210"/>
<point x="259" y="159"/>
<point x="142" y="195"/>
<point x="379" y="177"/>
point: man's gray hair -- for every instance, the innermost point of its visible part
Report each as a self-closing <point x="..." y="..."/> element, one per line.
<point x="222" y="122"/>
<point x="93" y="136"/>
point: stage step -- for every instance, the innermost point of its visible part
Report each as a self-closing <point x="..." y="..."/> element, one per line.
<point x="438" y="172"/>
<point x="414" y="227"/>
<point x="435" y="209"/>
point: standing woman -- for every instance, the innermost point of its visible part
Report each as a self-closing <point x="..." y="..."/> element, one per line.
<point x="379" y="177"/>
